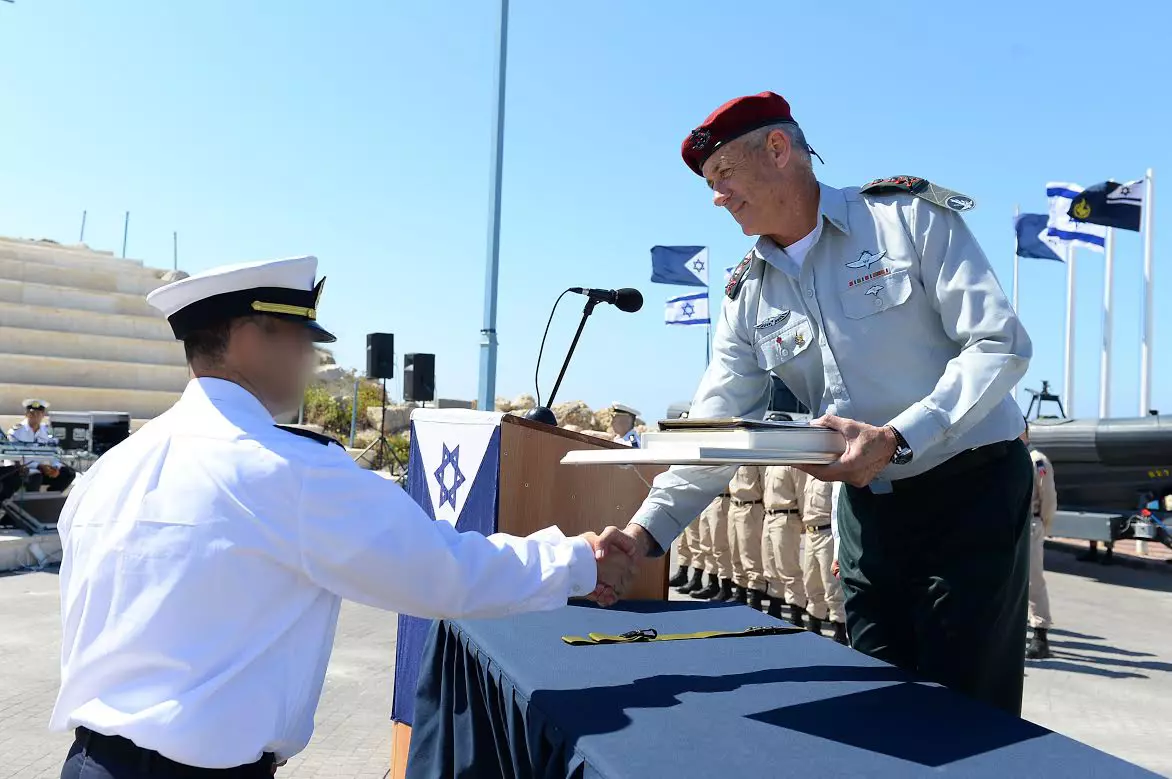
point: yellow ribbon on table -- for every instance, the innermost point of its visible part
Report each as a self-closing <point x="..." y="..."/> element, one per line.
<point x="650" y="634"/>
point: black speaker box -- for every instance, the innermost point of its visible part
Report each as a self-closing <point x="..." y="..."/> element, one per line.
<point x="419" y="377"/>
<point x="380" y="356"/>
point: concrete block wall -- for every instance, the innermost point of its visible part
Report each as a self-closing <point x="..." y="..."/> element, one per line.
<point x="75" y="329"/>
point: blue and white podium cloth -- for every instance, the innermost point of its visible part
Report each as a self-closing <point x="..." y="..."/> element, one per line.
<point x="454" y="474"/>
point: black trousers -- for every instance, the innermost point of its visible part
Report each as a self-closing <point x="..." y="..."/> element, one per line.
<point x="94" y="756"/>
<point x="936" y="573"/>
<point x="65" y="476"/>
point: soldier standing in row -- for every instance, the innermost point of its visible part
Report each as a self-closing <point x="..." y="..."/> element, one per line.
<point x="714" y="541"/>
<point x="746" y="521"/>
<point x="1042" y="508"/>
<point x="783" y="531"/>
<point x="688" y="575"/>
<point x="822" y="587"/>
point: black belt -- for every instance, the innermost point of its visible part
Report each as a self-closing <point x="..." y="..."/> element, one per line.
<point x="782" y="511"/>
<point x="817" y="528"/>
<point x="724" y="495"/>
<point x="956" y="465"/>
<point x="746" y="502"/>
<point x="125" y="750"/>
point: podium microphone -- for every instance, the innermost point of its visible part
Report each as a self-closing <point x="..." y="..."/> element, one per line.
<point x="625" y="299"/>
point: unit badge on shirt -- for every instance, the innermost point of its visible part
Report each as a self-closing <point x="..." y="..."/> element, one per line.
<point x="914" y="185"/>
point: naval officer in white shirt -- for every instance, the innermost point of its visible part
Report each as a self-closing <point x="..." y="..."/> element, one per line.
<point x="205" y="557"/>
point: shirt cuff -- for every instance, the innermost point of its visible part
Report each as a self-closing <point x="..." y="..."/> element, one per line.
<point x="920" y="428"/>
<point x="583" y="568"/>
<point x="662" y="528"/>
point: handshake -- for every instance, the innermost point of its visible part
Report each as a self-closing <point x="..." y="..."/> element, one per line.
<point x="618" y="554"/>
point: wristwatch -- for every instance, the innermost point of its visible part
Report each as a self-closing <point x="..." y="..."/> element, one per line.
<point x="903" y="452"/>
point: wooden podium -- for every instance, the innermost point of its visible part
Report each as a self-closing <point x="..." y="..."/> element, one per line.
<point x="491" y="472"/>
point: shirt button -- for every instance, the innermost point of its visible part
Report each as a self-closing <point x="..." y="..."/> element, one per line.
<point x="577" y="590"/>
<point x="785" y="352"/>
<point x="878" y="303"/>
<point x="809" y="293"/>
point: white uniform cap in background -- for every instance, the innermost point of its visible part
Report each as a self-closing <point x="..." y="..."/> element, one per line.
<point x="624" y="408"/>
<point x="283" y="288"/>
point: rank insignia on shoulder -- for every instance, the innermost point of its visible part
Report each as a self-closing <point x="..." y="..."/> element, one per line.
<point x="739" y="274"/>
<point x="914" y="185"/>
<point x="324" y="440"/>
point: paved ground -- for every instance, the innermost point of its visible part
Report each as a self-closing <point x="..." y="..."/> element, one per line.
<point x="1109" y="685"/>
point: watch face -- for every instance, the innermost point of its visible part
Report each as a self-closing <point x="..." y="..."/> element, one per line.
<point x="902" y="456"/>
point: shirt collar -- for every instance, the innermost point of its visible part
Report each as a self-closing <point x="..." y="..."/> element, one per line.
<point x="227" y="397"/>
<point x="831" y="207"/>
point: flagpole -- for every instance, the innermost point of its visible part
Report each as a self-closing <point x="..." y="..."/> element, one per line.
<point x="1145" y="362"/>
<point x="1068" y="378"/>
<point x="1105" y="356"/>
<point x="1016" y="259"/>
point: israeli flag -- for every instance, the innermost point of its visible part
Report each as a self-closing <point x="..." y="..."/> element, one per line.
<point x="683" y="265"/>
<point x="687" y="310"/>
<point x="728" y="274"/>
<point x="1062" y="227"/>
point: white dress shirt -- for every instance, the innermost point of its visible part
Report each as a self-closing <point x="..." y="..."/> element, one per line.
<point x="893" y="316"/>
<point x="43" y="435"/>
<point x="205" y="559"/>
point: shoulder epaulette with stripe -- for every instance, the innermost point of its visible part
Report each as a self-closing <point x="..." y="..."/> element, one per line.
<point x="738" y="277"/>
<point x="324" y="440"/>
<point x="922" y="188"/>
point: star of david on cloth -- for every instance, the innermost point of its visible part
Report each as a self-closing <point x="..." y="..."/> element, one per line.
<point x="688" y="309"/>
<point x="697" y="264"/>
<point x="448" y="494"/>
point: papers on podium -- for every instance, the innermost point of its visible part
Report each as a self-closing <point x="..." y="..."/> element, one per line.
<point x="723" y="442"/>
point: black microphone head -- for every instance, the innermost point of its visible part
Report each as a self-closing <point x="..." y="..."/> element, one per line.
<point x="628" y="299"/>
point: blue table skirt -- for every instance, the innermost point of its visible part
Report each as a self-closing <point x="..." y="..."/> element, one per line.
<point x="507" y="698"/>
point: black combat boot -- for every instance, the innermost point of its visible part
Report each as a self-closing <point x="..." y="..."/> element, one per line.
<point x="757" y="599"/>
<point x="696" y="582"/>
<point x="740" y="595"/>
<point x="726" y="591"/>
<point x="840" y="633"/>
<point x="775" y="608"/>
<point x="1039" y="646"/>
<point x="796" y="615"/>
<point x="711" y="590"/>
<point x="681" y="576"/>
<point x="813" y="624"/>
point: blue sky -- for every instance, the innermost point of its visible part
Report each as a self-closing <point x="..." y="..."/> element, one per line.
<point x="359" y="132"/>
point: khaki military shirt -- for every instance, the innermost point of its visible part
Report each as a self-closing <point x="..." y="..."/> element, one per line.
<point x="894" y="317"/>
<point x="783" y="487"/>
<point x="817" y="502"/>
<point x="746" y="484"/>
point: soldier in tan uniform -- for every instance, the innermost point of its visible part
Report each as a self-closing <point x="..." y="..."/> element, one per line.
<point x="716" y="551"/>
<point x="783" y="531"/>
<point x="689" y="575"/>
<point x="746" y="520"/>
<point x="1042" y="508"/>
<point x="822" y="587"/>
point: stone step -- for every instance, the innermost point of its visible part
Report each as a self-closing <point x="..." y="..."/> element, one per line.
<point x="86" y="346"/>
<point x="108" y="374"/>
<point x="140" y="404"/>
<point x="74" y="255"/>
<point x="146" y="328"/>
<point x="138" y="282"/>
<point x="38" y="294"/>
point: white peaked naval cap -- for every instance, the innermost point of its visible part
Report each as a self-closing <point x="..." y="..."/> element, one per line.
<point x="624" y="408"/>
<point x="35" y="403"/>
<point x="281" y="288"/>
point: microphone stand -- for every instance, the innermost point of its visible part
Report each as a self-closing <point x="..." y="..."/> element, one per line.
<point x="544" y="414"/>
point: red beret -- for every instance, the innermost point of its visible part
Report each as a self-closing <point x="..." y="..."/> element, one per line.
<point x="732" y="120"/>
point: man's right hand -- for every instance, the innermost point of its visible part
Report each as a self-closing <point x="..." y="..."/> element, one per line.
<point x="615" y="555"/>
